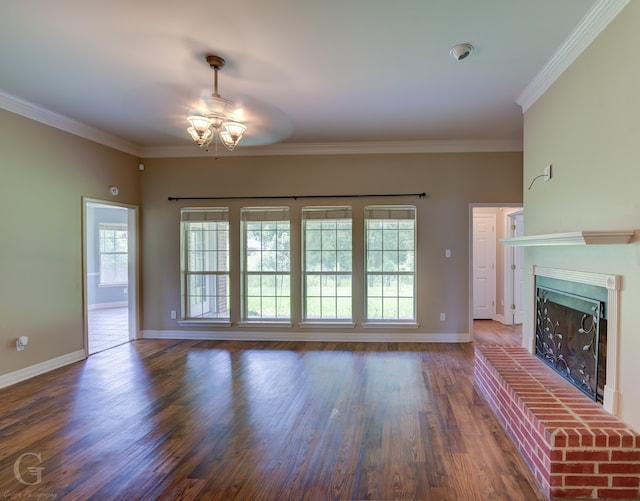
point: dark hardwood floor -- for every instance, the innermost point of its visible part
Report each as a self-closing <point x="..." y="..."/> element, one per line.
<point x="261" y="421"/>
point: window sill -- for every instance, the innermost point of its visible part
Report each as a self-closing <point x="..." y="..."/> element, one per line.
<point x="262" y="323"/>
<point x="208" y="321"/>
<point x="386" y="325"/>
<point x="327" y="324"/>
<point x="112" y="284"/>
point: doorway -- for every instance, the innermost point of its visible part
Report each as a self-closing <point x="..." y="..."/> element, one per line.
<point x="492" y="291"/>
<point x="110" y="271"/>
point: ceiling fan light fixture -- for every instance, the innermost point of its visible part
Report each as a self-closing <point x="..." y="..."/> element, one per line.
<point x="231" y="134"/>
<point x="215" y="117"/>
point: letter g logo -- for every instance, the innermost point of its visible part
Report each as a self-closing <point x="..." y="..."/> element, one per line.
<point x="36" y="471"/>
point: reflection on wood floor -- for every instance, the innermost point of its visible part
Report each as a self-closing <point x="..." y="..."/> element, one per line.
<point x="161" y="419"/>
<point x="492" y="332"/>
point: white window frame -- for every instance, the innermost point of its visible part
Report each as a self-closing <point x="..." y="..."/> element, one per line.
<point x="336" y="268"/>
<point x="377" y="252"/>
<point x="113" y="227"/>
<point x="209" y="264"/>
<point x="254" y="276"/>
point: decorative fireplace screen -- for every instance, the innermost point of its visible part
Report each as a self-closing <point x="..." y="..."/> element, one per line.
<point x="571" y="333"/>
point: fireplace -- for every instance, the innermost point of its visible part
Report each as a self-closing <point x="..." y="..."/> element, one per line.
<point x="595" y="297"/>
<point x="571" y="332"/>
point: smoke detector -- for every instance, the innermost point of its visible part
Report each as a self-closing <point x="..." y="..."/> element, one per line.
<point x="461" y="51"/>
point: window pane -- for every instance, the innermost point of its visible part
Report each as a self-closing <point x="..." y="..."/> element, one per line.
<point x="344" y="308"/>
<point x="313" y="285"/>
<point x="254" y="260"/>
<point x="374" y="308"/>
<point x="253" y="285"/>
<point x="406" y="308"/>
<point x="374" y="261"/>
<point x="374" y="239"/>
<point x="266" y="247"/>
<point x="313" y="308"/>
<point x="374" y="286"/>
<point x="390" y="286"/>
<point x="390" y="308"/>
<point x="313" y="260"/>
<point x="328" y="261"/>
<point x="405" y="261"/>
<point x="405" y="286"/>
<point x="390" y="235"/>
<point x="328" y="307"/>
<point x="390" y="240"/>
<point x="328" y="286"/>
<point x="344" y="261"/>
<point x="314" y="239"/>
<point x="327" y="242"/>
<point x="343" y="286"/>
<point x="205" y="263"/>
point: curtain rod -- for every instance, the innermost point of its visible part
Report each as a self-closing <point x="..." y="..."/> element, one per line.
<point x="296" y="197"/>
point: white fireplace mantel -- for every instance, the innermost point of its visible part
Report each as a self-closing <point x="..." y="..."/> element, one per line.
<point x="571" y="238"/>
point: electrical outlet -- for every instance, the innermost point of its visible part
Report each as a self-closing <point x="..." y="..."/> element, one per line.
<point x="443" y="317"/>
<point x="173" y="314"/>
<point x="547" y="172"/>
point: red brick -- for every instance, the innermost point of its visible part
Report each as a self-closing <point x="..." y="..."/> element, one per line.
<point x="601" y="438"/>
<point x="617" y="494"/>
<point x="625" y="481"/>
<point x="628" y="439"/>
<point x="586" y="481"/>
<point x="558" y="481"/>
<point x="559" y="440"/>
<point x="571" y="493"/>
<point x="573" y="468"/>
<point x="619" y="468"/>
<point x="586" y="455"/>
<point x="573" y="440"/>
<point x="625" y="456"/>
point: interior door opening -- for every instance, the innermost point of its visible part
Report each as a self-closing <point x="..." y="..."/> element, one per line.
<point x="494" y="286"/>
<point x="110" y="287"/>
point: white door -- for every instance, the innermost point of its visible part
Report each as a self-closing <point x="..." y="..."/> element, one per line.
<point x="518" y="272"/>
<point x="484" y="266"/>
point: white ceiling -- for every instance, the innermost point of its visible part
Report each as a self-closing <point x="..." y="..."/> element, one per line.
<point x="330" y="71"/>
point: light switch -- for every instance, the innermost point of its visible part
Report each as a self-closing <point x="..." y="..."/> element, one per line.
<point x="447" y="253"/>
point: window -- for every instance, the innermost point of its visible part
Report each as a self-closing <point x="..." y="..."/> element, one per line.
<point x="327" y="263"/>
<point x="390" y="240"/>
<point x="266" y="269"/>
<point x="205" y="263"/>
<point x="114" y="262"/>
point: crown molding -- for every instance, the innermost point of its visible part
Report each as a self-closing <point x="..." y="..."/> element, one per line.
<point x="47" y="117"/>
<point x="64" y="123"/>
<point x="594" y="22"/>
<point x="382" y="147"/>
<point x="39" y="114"/>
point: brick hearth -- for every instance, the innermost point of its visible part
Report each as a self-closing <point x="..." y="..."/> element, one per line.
<point x="572" y="445"/>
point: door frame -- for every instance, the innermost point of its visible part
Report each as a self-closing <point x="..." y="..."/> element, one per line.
<point x="510" y="261"/>
<point x="133" y="275"/>
<point x="472" y="206"/>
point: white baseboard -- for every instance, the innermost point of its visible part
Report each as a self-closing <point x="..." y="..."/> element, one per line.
<point x="41" y="368"/>
<point x="332" y="337"/>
